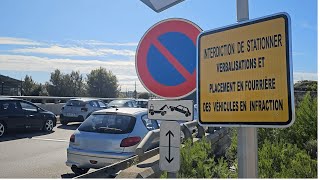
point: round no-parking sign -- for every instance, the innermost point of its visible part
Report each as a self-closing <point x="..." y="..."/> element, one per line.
<point x="166" y="58"/>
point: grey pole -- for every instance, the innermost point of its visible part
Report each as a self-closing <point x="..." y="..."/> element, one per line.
<point x="171" y="175"/>
<point x="247" y="137"/>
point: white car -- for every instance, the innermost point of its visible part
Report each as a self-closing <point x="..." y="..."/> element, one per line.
<point x="77" y="110"/>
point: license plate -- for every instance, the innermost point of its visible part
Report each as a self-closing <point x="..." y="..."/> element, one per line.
<point x="71" y="115"/>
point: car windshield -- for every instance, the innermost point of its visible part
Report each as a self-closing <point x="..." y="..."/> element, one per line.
<point x="116" y="103"/>
<point x="75" y="103"/>
<point x="108" y="123"/>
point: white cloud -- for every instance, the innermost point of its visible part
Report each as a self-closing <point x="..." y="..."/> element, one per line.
<point x="74" y="51"/>
<point x="124" y="70"/>
<point x="298" y="76"/>
<point x="101" y="43"/>
<point x="17" y="41"/>
<point x="59" y="51"/>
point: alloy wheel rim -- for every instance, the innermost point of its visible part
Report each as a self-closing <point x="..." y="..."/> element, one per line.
<point x="49" y="125"/>
<point x="1" y="129"/>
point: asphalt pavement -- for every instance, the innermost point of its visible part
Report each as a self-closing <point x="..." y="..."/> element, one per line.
<point x="36" y="154"/>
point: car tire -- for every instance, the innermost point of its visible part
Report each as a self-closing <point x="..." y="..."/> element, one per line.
<point x="63" y="122"/>
<point x="3" y="129"/>
<point x="48" y="125"/>
<point x="79" y="171"/>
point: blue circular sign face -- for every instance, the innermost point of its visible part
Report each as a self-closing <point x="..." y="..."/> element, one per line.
<point x="166" y="58"/>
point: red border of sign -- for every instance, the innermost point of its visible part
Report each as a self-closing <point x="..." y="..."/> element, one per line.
<point x="169" y="25"/>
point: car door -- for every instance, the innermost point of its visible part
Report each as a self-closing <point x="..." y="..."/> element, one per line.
<point x="32" y="115"/>
<point x="14" y="116"/>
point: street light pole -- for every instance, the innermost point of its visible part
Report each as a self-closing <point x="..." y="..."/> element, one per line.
<point x="247" y="136"/>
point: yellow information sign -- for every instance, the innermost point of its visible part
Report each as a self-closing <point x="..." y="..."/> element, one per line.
<point x="245" y="74"/>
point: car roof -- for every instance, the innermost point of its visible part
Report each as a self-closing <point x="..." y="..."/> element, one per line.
<point x="84" y="99"/>
<point x="6" y="98"/>
<point x="129" y="111"/>
<point x="123" y="100"/>
<point x="142" y="100"/>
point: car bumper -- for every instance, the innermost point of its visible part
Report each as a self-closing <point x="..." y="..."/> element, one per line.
<point x="71" y="119"/>
<point x="82" y="158"/>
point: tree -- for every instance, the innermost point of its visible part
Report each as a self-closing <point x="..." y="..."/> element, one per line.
<point x="28" y="85"/>
<point x="144" y="95"/>
<point x="66" y="84"/>
<point x="102" y="83"/>
<point x="55" y="86"/>
<point x="78" y="84"/>
<point x="31" y="88"/>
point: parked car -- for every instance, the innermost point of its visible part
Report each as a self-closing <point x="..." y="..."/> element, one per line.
<point x="17" y="114"/>
<point x="143" y="103"/>
<point x="77" y="110"/>
<point x="122" y="103"/>
<point x="108" y="136"/>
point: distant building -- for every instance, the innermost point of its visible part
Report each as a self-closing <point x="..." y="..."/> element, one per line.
<point x="10" y="86"/>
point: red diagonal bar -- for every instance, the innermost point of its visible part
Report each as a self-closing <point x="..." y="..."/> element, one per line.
<point x="180" y="68"/>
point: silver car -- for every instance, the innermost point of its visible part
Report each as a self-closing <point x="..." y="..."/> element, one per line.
<point x="108" y="136"/>
<point x="77" y="110"/>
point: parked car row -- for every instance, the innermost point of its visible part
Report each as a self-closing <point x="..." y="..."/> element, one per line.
<point x="17" y="114"/>
<point x="109" y="132"/>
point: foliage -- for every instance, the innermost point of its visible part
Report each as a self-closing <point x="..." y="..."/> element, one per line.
<point x="143" y="95"/>
<point x="303" y="129"/>
<point x="306" y="85"/>
<point x="31" y="88"/>
<point x="285" y="160"/>
<point x="231" y="154"/>
<point x="102" y="83"/>
<point x="293" y="151"/>
<point x="66" y="84"/>
<point x="197" y="161"/>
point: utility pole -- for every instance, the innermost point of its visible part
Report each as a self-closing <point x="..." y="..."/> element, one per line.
<point x="135" y="90"/>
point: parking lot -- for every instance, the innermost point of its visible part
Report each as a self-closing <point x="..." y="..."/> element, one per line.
<point x="36" y="154"/>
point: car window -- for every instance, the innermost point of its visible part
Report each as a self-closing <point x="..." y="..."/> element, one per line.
<point x="93" y="104"/>
<point x="129" y="104"/>
<point x="149" y="123"/>
<point x="101" y="104"/>
<point x="134" y="104"/>
<point x="75" y="103"/>
<point x="28" y="107"/>
<point x="115" y="103"/>
<point x="10" y="107"/>
<point x="108" y="123"/>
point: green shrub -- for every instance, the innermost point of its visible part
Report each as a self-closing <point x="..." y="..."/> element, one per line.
<point x="285" y="160"/>
<point x="197" y="161"/>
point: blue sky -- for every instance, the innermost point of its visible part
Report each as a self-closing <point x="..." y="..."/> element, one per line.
<point x="38" y="36"/>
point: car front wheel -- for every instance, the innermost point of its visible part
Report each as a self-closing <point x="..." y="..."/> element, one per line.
<point x="48" y="125"/>
<point x="2" y="129"/>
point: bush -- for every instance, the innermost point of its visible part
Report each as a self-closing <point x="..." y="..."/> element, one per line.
<point x="285" y="160"/>
<point x="303" y="129"/>
<point x="197" y="161"/>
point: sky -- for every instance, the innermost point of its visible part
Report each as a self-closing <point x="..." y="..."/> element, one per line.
<point x="37" y="37"/>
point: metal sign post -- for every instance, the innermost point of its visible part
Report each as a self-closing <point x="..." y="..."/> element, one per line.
<point x="170" y="132"/>
<point x="247" y="149"/>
